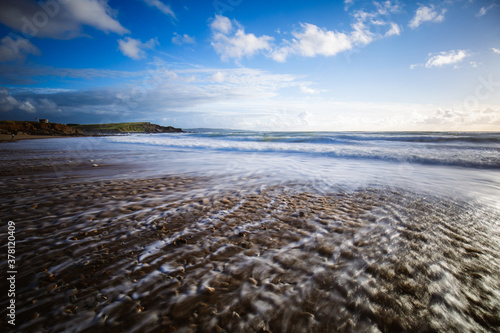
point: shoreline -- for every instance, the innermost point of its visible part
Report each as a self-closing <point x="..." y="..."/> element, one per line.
<point x="5" y="138"/>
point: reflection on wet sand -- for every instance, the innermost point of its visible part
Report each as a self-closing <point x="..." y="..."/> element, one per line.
<point x="174" y="254"/>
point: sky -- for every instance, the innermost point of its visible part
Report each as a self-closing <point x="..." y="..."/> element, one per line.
<point x="256" y="65"/>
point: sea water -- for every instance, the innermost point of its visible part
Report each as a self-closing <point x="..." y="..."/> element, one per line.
<point x="460" y="164"/>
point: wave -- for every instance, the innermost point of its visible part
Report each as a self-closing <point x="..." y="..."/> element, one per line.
<point x="328" y="137"/>
<point x="384" y="147"/>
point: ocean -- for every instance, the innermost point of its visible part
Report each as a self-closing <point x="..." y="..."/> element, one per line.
<point x="226" y="230"/>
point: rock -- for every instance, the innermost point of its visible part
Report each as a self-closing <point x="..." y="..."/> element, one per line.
<point x="36" y="128"/>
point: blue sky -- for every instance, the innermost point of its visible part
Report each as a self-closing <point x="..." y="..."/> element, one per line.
<point x="258" y="65"/>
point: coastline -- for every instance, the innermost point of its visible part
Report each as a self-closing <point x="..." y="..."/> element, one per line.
<point x="8" y="138"/>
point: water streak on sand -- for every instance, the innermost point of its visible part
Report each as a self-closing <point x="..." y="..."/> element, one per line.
<point x="269" y="243"/>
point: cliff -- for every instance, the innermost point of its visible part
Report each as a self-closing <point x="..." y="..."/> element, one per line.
<point x="36" y="128"/>
<point x="55" y="129"/>
<point x="116" y="128"/>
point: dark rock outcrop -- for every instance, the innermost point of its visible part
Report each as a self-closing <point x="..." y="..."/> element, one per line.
<point x="36" y="128"/>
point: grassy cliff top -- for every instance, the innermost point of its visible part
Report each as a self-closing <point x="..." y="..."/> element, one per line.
<point x="118" y="127"/>
<point x="35" y="127"/>
<point x="138" y="127"/>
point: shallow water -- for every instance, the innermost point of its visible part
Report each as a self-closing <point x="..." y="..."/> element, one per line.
<point x="167" y="238"/>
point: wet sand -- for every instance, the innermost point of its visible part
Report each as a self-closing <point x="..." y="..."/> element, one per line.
<point x="8" y="138"/>
<point x="173" y="254"/>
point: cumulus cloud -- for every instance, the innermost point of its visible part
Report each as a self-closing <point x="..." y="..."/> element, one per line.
<point x="134" y="48"/>
<point x="221" y="24"/>
<point x="182" y="39"/>
<point x="426" y="14"/>
<point x="58" y="19"/>
<point x="16" y="49"/>
<point x="231" y="42"/>
<point x="367" y="27"/>
<point x="446" y="58"/>
<point x="313" y="41"/>
<point x="165" y="9"/>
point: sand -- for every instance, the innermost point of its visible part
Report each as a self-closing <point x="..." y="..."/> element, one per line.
<point x="8" y="138"/>
<point x="179" y="253"/>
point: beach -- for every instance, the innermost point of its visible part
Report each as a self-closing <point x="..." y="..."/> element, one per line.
<point x="9" y="138"/>
<point x="247" y="232"/>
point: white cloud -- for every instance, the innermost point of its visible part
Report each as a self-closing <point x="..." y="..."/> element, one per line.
<point x="484" y="10"/>
<point x="309" y="41"/>
<point x="361" y="34"/>
<point x="497" y="51"/>
<point x="456" y="117"/>
<point x="426" y="14"/>
<point x="366" y="27"/>
<point x="16" y="49"/>
<point x="134" y="48"/>
<point x="238" y="44"/>
<point x="307" y="90"/>
<point x="348" y="4"/>
<point x="165" y="9"/>
<point x="221" y="24"/>
<point x="218" y="77"/>
<point x="182" y="39"/>
<point x="446" y="58"/>
<point x="58" y="19"/>
<point x="386" y="7"/>
<point x="313" y="41"/>
<point x="394" y="30"/>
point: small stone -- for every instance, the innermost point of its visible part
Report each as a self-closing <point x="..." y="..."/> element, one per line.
<point x="253" y="281"/>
